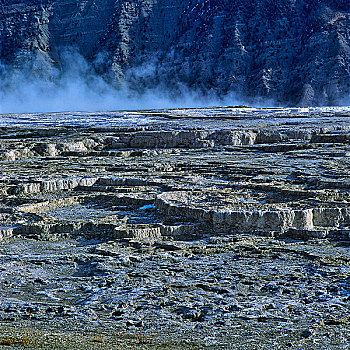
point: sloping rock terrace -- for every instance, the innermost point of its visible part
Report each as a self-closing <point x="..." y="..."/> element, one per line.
<point x="111" y="223"/>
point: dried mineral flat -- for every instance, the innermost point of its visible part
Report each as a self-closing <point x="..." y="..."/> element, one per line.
<point x="187" y="228"/>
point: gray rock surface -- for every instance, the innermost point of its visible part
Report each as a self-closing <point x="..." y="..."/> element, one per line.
<point x="290" y="52"/>
<point x="180" y="229"/>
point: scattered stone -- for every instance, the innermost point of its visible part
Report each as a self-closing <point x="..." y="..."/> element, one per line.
<point x="212" y="228"/>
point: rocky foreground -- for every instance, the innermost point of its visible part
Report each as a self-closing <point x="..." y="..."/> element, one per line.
<point x="218" y="228"/>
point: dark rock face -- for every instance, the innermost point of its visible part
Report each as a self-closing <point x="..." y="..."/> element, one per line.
<point x="292" y="52"/>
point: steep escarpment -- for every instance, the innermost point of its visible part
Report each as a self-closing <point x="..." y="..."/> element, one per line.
<point x="292" y="52"/>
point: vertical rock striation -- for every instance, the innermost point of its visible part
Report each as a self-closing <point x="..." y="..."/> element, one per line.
<point x="292" y="52"/>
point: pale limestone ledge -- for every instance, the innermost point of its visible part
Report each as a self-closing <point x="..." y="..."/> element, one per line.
<point x="242" y="220"/>
<point x="150" y="139"/>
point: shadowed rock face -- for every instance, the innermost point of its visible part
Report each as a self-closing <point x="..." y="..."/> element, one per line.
<point x="293" y="52"/>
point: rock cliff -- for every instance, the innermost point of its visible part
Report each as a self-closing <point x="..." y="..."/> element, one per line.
<point x="288" y="51"/>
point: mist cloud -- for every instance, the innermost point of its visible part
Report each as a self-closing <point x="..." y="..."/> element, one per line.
<point x="75" y="86"/>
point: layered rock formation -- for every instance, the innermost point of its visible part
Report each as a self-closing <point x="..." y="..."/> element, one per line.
<point x="175" y="229"/>
<point x="291" y="52"/>
<point x="211" y="173"/>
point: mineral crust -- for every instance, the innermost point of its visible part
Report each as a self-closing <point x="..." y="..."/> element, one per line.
<point x="199" y="228"/>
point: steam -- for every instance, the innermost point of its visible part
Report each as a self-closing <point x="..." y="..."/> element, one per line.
<point x="75" y="86"/>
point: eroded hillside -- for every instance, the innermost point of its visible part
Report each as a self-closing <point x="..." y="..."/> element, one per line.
<point x="293" y="52"/>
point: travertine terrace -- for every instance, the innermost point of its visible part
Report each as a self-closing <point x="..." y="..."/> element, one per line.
<point x="209" y="228"/>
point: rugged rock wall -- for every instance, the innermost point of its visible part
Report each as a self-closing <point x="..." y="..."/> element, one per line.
<point x="290" y="51"/>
